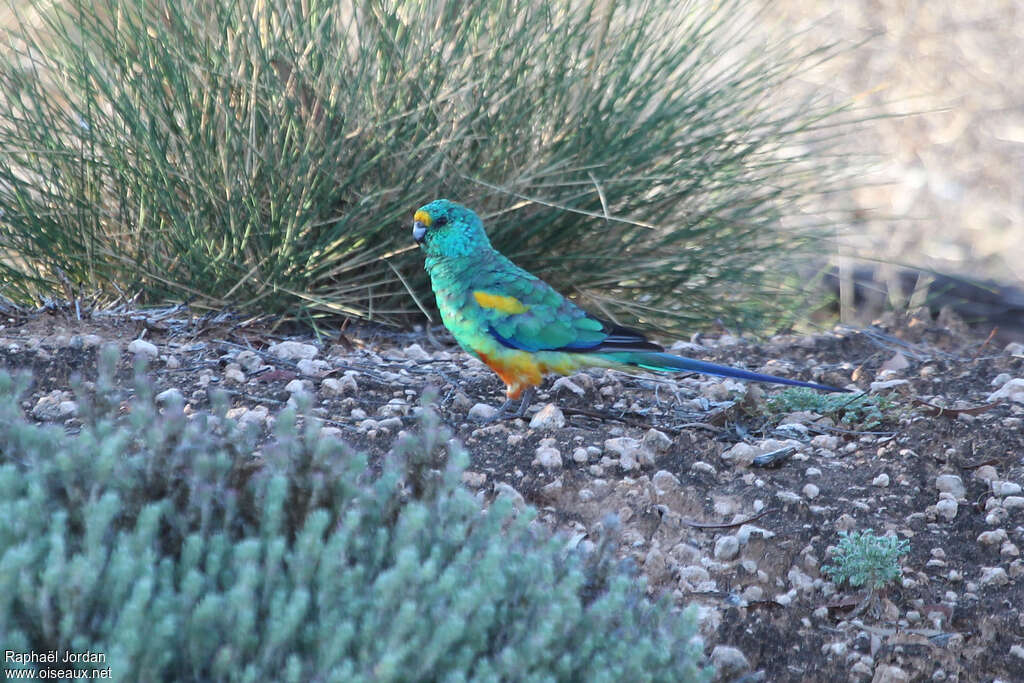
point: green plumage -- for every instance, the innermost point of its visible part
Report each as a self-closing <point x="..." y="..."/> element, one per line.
<point x="518" y="324"/>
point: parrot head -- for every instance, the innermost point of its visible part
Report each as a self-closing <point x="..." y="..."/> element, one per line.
<point x="448" y="230"/>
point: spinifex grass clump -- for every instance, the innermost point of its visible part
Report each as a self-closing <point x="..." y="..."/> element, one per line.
<point x="183" y="552"/>
<point x="268" y="155"/>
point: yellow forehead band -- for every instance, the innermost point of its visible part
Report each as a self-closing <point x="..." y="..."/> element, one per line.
<point x="423" y="217"/>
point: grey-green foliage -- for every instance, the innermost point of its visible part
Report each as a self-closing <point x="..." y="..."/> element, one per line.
<point x="860" y="411"/>
<point x="182" y="551"/>
<point x="269" y="155"/>
<point x="863" y="558"/>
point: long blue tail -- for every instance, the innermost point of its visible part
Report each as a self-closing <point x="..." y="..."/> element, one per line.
<point x="666" y="362"/>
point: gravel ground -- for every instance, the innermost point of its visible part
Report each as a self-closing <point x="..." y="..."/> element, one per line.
<point x="672" y="458"/>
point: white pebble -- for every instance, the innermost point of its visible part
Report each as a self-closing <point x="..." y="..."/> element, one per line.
<point x="992" y="537"/>
<point x="1005" y="488"/>
<point x="881" y="480"/>
<point x="416" y="352"/>
<point x="1012" y="390"/>
<point x="727" y="548"/>
<point x="482" y="412"/>
<point x="994" y="576"/>
<point x="141" y="347"/>
<point x="549" y="458"/>
<point x="947" y="507"/>
<point x="563" y="384"/>
<point x="951" y="483"/>
<point x="549" y="417"/>
<point x="292" y="350"/>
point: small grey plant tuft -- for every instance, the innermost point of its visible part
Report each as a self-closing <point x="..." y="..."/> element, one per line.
<point x="863" y="558"/>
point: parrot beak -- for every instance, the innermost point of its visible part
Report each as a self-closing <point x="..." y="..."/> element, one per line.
<point x="419" y="231"/>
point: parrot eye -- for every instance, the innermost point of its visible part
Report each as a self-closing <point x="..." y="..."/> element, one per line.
<point x="441" y="221"/>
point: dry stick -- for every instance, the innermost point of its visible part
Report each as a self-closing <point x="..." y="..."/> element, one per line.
<point x="725" y="525"/>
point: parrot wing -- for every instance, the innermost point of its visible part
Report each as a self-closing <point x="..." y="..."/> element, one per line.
<point x="523" y="312"/>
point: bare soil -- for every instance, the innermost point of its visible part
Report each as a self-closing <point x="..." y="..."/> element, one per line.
<point x="957" y="612"/>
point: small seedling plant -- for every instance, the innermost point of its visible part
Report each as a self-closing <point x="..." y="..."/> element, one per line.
<point x="862" y="558"/>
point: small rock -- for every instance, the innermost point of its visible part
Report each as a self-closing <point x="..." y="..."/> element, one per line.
<point x="506" y="492"/>
<point x="630" y="451"/>
<point x="416" y="352"/>
<point x="548" y="457"/>
<point x="1005" y="488"/>
<point x="297" y="386"/>
<point x="881" y="480"/>
<point x="729" y="662"/>
<point x="896" y="363"/>
<point x="580" y="455"/>
<point x="257" y="415"/>
<point x="168" y="396"/>
<point x="233" y="373"/>
<point x="249" y="360"/>
<point x="656" y="440"/>
<point x="664" y="482"/>
<point x="727" y="548"/>
<point x="1009" y="550"/>
<point x="1001" y="379"/>
<point x="552" y="490"/>
<point x="701" y="467"/>
<point x="886" y="385"/>
<point x="951" y="483"/>
<point x="811" y="491"/>
<point x="564" y="384"/>
<point x="994" y="576"/>
<point x="755" y="593"/>
<point x="292" y="350"/>
<point x="1012" y="390"/>
<point x="311" y="367"/>
<point x="474" y="479"/>
<point x="548" y="417"/>
<point x="482" y="412"/>
<point x="740" y="454"/>
<point x="826" y="441"/>
<point x="861" y="669"/>
<point x="986" y="473"/>
<point x="886" y="673"/>
<point x="1017" y="651"/>
<point x="1013" y="502"/>
<point x="396" y="407"/>
<point x="628" y="461"/>
<point x="994" y="537"/>
<point x="54" y="406"/>
<point x="1014" y="349"/>
<point x="947" y="508"/>
<point x="744" y="533"/>
<point x="141" y="347"/>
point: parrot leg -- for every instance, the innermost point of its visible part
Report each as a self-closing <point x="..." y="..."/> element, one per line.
<point x="505" y="414"/>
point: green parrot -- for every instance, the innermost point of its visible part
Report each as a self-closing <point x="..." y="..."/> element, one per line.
<point x="519" y="326"/>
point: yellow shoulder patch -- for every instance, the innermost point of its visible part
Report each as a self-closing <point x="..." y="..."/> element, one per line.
<point x="505" y="304"/>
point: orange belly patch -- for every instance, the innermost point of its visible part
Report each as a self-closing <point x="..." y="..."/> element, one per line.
<point x="519" y="369"/>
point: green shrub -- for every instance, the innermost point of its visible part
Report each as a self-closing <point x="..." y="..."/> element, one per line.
<point x="184" y="550"/>
<point x="863" y="558"/>
<point x="268" y="156"/>
<point x="861" y="411"/>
